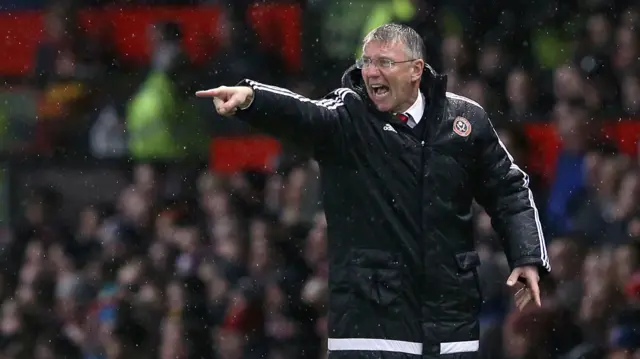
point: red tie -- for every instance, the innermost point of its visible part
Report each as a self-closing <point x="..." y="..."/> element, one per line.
<point x="404" y="118"/>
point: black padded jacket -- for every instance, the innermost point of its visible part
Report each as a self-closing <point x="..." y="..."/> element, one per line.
<point x="403" y="280"/>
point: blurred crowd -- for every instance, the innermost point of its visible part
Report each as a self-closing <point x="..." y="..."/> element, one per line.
<point x="233" y="266"/>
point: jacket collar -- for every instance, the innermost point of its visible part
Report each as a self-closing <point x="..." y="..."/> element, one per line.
<point x="416" y="111"/>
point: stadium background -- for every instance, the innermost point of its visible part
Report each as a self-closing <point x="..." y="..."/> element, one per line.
<point x="134" y="223"/>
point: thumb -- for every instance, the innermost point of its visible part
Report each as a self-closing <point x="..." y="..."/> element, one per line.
<point x="216" y="92"/>
<point x="236" y="100"/>
<point x="513" y="278"/>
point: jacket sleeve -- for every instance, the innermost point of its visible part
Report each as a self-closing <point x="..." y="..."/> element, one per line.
<point x="503" y="190"/>
<point x="309" y="124"/>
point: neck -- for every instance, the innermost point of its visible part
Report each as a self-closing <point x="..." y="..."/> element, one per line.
<point x="403" y="107"/>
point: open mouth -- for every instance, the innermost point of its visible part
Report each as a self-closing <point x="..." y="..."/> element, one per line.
<point x="379" y="90"/>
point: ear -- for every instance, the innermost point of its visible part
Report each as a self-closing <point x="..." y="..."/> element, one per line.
<point x="417" y="69"/>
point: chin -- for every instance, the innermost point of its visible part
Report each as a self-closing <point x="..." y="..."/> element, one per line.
<point x="383" y="107"/>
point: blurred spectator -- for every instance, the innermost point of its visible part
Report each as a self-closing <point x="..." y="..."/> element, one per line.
<point x="603" y="176"/>
<point x="516" y="142"/>
<point x="161" y="124"/>
<point x="626" y="49"/>
<point x="630" y="91"/>
<point x="521" y="97"/>
<point x="66" y="53"/>
<point x="239" y="55"/>
<point x="567" y="255"/>
<point x="567" y="191"/>
<point x="68" y="64"/>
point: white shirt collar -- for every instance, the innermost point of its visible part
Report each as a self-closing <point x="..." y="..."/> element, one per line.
<point x="417" y="109"/>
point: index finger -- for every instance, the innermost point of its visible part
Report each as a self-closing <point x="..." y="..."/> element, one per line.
<point x="532" y="282"/>
<point x="209" y="93"/>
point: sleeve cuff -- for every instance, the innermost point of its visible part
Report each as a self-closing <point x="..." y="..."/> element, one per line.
<point x="543" y="271"/>
<point x="253" y="97"/>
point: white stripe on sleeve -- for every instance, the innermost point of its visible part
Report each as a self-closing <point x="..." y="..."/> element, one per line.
<point x="543" y="248"/>
<point x="330" y="104"/>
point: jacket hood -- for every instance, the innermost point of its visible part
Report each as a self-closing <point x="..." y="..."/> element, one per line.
<point x="431" y="84"/>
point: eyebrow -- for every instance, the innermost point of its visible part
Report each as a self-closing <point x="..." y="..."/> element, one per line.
<point x="379" y="58"/>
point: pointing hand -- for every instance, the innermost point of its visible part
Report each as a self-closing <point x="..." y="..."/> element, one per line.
<point x="228" y="100"/>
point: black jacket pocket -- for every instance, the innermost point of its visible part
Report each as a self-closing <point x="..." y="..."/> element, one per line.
<point x="467" y="261"/>
<point x="469" y="282"/>
<point x="376" y="276"/>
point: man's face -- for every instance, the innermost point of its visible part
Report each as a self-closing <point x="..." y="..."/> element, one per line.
<point x="391" y="89"/>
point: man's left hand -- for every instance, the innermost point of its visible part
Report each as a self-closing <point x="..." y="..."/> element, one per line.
<point x="531" y="291"/>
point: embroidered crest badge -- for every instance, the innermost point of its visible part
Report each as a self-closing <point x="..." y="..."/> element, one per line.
<point x="461" y="126"/>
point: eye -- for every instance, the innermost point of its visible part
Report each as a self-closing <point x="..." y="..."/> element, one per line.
<point x="363" y="62"/>
<point x="385" y="63"/>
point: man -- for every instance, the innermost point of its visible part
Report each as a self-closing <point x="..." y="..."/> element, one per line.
<point x="402" y="161"/>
